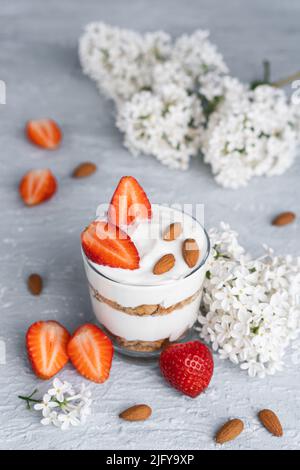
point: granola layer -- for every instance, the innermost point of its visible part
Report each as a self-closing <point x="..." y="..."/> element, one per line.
<point x="142" y="346"/>
<point x="145" y="309"/>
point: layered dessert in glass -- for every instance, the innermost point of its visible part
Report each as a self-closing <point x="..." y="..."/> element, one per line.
<point x="145" y="267"/>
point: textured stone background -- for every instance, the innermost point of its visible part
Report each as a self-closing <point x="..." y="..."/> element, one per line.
<point x="38" y="62"/>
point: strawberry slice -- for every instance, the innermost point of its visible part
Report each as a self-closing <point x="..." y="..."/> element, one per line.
<point x="44" y="133"/>
<point x="105" y="244"/>
<point x="129" y="202"/>
<point x="91" y="352"/>
<point x="37" y="186"/>
<point x="46" y="343"/>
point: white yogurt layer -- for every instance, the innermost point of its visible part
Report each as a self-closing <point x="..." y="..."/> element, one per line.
<point x="147" y="235"/>
<point x="148" y="327"/>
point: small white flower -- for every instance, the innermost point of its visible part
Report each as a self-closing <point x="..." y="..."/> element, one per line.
<point x="59" y="389"/>
<point x="52" y="418"/>
<point x="46" y="405"/>
<point x="84" y="411"/>
<point x="85" y="393"/>
<point x="68" y="419"/>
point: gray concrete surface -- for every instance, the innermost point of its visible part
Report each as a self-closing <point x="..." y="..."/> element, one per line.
<point x="38" y="62"/>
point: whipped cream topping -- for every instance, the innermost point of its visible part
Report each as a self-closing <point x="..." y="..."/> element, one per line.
<point x="147" y="235"/>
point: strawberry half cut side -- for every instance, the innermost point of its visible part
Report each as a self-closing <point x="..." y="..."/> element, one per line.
<point x="37" y="186"/>
<point x="91" y="352"/>
<point x="128" y="203"/>
<point x="44" y="132"/>
<point x="46" y="343"/>
<point x="106" y="244"/>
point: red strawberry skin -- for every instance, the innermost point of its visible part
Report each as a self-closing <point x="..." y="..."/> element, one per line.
<point x="44" y="132"/>
<point x="188" y="367"/>
<point x="46" y="343"/>
<point x="91" y="353"/>
<point x="106" y="244"/>
<point x="129" y="202"/>
<point x="37" y="186"/>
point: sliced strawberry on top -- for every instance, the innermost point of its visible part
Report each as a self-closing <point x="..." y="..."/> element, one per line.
<point x="46" y="343"/>
<point x="129" y="202"/>
<point x="44" y="133"/>
<point x="91" y="352"/>
<point x="106" y="244"/>
<point x="37" y="186"/>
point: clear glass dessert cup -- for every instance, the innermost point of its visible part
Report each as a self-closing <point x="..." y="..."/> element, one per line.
<point x="142" y="319"/>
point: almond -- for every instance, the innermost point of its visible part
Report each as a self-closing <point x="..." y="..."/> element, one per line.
<point x="172" y="232"/>
<point x="35" y="284"/>
<point x="84" y="169"/>
<point x="136" y="413"/>
<point x="190" y="252"/>
<point x="164" y="264"/>
<point x="229" y="431"/>
<point x="271" y="422"/>
<point x="284" y="218"/>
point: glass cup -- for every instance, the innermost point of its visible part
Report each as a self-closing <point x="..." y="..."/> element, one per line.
<point x="142" y="319"/>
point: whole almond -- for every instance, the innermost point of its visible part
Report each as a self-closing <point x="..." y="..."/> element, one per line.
<point x="164" y="264"/>
<point x="190" y="252"/>
<point x="229" y="431"/>
<point x="35" y="284"/>
<point x="172" y="232"/>
<point x="136" y="413"/>
<point x="284" y="218"/>
<point x="271" y="422"/>
<point x="84" y="169"/>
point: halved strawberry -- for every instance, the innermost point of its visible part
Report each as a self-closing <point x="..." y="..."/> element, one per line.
<point x="46" y="343"/>
<point x="91" y="352"/>
<point x="105" y="244"/>
<point x="129" y="201"/>
<point x="44" y="133"/>
<point x="37" y="186"/>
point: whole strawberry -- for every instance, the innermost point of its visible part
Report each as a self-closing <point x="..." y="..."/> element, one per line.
<point x="188" y="367"/>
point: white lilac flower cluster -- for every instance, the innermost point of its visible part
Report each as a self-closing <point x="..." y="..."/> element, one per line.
<point x="158" y="87"/>
<point x="120" y="60"/>
<point x="250" y="309"/>
<point x="251" y="133"/>
<point x="61" y="406"/>
<point x="165" y="124"/>
<point x="175" y="100"/>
